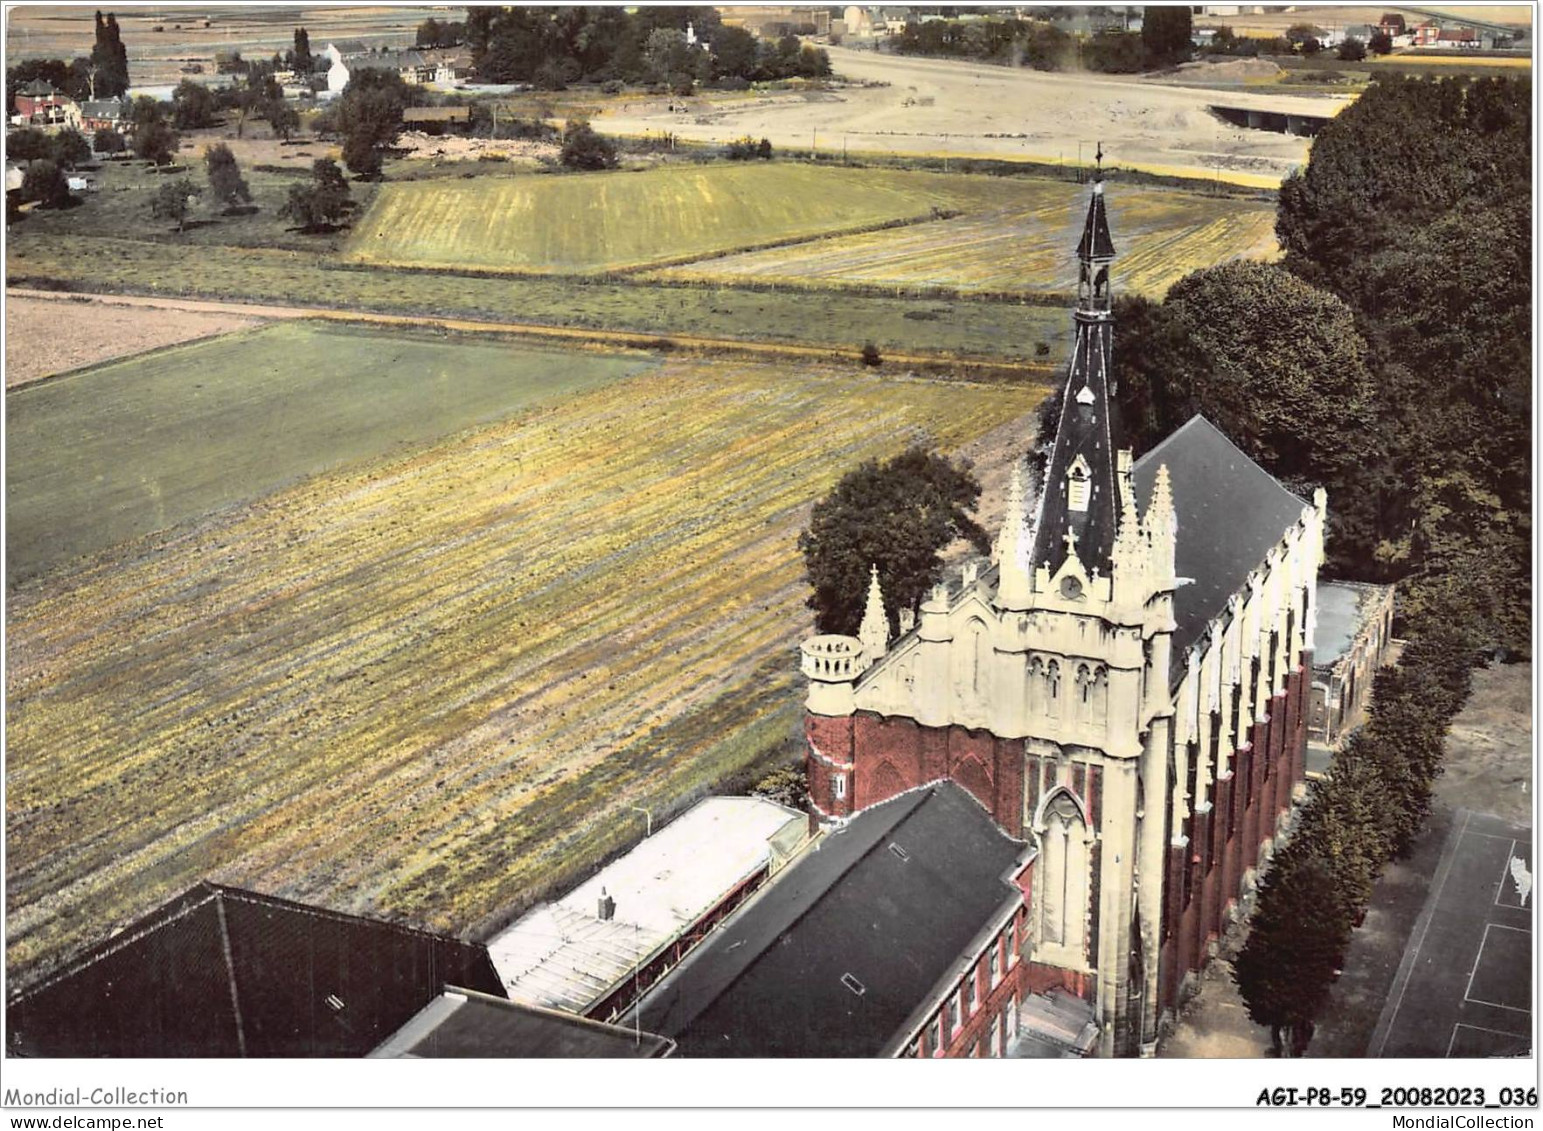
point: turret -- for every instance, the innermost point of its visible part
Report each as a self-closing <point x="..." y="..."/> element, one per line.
<point x="874" y="632"/>
<point x="1013" y="584"/>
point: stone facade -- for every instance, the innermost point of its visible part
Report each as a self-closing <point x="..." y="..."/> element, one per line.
<point x="1152" y="777"/>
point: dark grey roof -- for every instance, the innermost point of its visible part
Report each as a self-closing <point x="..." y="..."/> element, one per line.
<point x="1088" y="430"/>
<point x="462" y="1023"/>
<point x="892" y="923"/>
<point x="220" y="971"/>
<point x="1095" y="242"/>
<point x="1229" y="510"/>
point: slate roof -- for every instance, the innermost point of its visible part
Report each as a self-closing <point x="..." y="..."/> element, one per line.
<point x="770" y="981"/>
<point x="1229" y="510"/>
<point x="461" y="1023"/>
<point x="1087" y="429"/>
<point x="219" y="971"/>
<point x="1095" y="242"/>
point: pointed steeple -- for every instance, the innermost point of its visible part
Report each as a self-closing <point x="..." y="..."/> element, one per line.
<point x="1013" y="584"/>
<point x="874" y="632"/>
<point x="1080" y="493"/>
<point x="1161" y="527"/>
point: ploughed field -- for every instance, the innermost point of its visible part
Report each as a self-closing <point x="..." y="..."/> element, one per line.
<point x="139" y="445"/>
<point x="787" y="223"/>
<point x="428" y="684"/>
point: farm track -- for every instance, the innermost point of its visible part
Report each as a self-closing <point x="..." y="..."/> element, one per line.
<point x="427" y="687"/>
<point x="597" y="338"/>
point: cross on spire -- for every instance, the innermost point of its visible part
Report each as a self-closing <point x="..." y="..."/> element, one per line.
<point x="1070" y="538"/>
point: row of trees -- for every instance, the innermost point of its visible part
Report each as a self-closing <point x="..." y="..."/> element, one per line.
<point x="1369" y="809"/>
<point x="550" y="47"/>
<point x="1164" y="40"/>
<point x="103" y="74"/>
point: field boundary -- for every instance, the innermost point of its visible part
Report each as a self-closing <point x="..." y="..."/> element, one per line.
<point x="932" y="364"/>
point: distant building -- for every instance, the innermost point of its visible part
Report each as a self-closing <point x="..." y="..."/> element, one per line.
<point x="1355" y="636"/>
<point x="778" y="20"/>
<point x="338" y="72"/>
<point x="463" y="1023"/>
<point x="220" y="971"/>
<point x="1464" y="38"/>
<point x="1391" y="23"/>
<point x="110" y="114"/>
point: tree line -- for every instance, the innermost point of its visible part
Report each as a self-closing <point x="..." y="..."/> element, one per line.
<point x="1164" y="39"/>
<point x="551" y="47"/>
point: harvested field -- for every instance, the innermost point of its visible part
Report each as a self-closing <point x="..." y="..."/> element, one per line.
<point x="1026" y="247"/>
<point x="602" y="222"/>
<point x="428" y="686"/>
<point x="975" y="329"/>
<point x="139" y="445"/>
<point x="35" y="348"/>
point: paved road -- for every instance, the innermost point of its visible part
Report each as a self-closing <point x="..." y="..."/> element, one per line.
<point x="1464" y="987"/>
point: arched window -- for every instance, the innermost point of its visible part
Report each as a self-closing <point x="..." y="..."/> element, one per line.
<point x="1037" y="697"/>
<point x="1062" y="882"/>
<point x="1084" y="701"/>
<point x="1052" y="688"/>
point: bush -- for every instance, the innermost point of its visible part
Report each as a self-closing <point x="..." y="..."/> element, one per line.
<point x="787" y="786"/>
<point x="1352" y="50"/>
<point x="612" y="86"/>
<point x="870" y="354"/>
<point x="583" y="148"/>
<point x="45" y="183"/>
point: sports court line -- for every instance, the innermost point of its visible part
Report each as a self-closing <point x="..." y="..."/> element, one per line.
<point x="1478" y="960"/>
<point x="1406" y="966"/>
<point x="1477" y="1029"/>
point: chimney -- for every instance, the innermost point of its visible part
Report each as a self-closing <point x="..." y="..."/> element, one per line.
<point x="607" y="907"/>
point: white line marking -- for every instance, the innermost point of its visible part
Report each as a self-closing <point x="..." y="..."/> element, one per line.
<point x="1505" y="874"/>
<point x="1478" y="960"/>
<point x="1481" y="1029"/>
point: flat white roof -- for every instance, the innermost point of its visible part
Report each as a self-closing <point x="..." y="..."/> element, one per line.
<point x="562" y="954"/>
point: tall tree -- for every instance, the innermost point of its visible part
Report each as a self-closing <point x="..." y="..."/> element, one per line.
<point x="226" y="184"/>
<point x="1165" y="33"/>
<point x="369" y="116"/>
<point x="302" y="62"/>
<point x="321" y="204"/>
<point x="109" y="59"/>
<point x="192" y="106"/>
<point x="154" y="138"/>
<point x="897" y="514"/>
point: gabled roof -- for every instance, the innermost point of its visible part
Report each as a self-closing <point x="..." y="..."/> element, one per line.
<point x="833" y="957"/>
<point x="1229" y="511"/>
<point x="219" y="971"/>
<point x="462" y="1023"/>
<point x="39" y="88"/>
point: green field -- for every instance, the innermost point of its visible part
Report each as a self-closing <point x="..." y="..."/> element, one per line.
<point x="103" y="455"/>
<point x="430" y="685"/>
<point x="975" y="329"/>
<point x="610" y="221"/>
<point x="1013" y="234"/>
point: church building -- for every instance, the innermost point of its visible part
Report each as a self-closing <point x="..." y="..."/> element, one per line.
<point x="1120" y="687"/>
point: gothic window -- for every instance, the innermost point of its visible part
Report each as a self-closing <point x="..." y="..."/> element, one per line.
<point x="982" y="656"/>
<point x="1037" y="700"/>
<point x="1099" y="692"/>
<point x="1064" y="895"/>
<point x="1274" y="651"/>
<point x="1052" y="688"/>
<point x="1084" y="702"/>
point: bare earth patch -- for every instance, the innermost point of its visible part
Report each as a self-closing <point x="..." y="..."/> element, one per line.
<point x="35" y="347"/>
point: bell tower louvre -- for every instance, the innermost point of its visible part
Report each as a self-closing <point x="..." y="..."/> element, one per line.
<point x="1120" y="686"/>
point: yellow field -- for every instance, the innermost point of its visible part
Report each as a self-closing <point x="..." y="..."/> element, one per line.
<point x="1419" y="58"/>
<point x="426" y="687"/>
<point x="1012" y="234"/>
<point x="1160" y="235"/>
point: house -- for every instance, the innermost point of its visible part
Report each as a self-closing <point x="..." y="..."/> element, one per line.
<point x="222" y="971"/>
<point x="40" y="105"/>
<point x="463" y="1023"/>
<point x="1122" y="687"/>
<point x="337" y="72"/>
<point x="1355" y="639"/>
<point x="109" y="114"/>
<point x="594" y="951"/>
<point x="899" y="934"/>
<point x="773" y="21"/>
<point x="1427" y="34"/>
<point x="856" y="21"/>
<point x="1391" y="24"/>
<point x="1463" y="38"/>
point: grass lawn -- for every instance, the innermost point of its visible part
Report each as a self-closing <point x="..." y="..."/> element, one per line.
<point x="429" y="685"/>
<point x="121" y="207"/>
<point x="977" y="329"/>
<point x="608" y="221"/>
<point x="103" y="455"/>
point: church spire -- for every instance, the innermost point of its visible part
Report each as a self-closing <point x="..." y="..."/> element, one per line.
<point x="1080" y="495"/>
